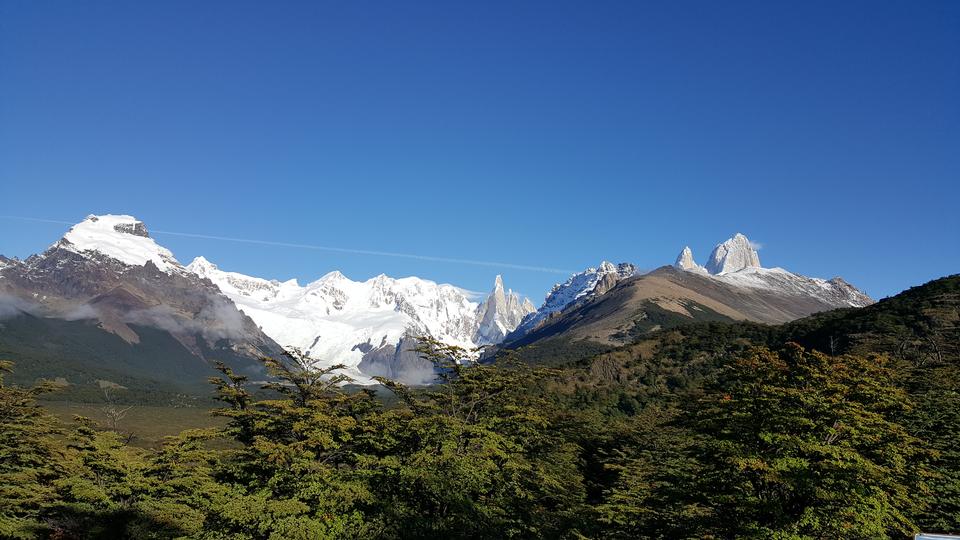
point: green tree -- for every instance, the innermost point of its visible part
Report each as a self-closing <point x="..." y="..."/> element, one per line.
<point x="294" y="472"/>
<point x="30" y="459"/>
<point x="479" y="456"/>
<point x="105" y="491"/>
<point x="936" y="421"/>
<point x="803" y="445"/>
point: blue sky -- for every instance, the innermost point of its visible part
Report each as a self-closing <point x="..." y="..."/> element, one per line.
<point x="552" y="134"/>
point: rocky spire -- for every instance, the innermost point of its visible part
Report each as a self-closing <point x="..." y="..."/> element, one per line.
<point x="685" y="261"/>
<point x="499" y="314"/>
<point x="733" y="255"/>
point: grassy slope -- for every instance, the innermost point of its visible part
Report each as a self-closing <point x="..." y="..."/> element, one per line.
<point x="148" y="424"/>
<point x="157" y="370"/>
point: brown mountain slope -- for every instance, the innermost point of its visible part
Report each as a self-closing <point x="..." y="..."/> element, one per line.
<point x="670" y="297"/>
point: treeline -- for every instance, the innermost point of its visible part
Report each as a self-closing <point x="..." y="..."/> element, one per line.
<point x="722" y="441"/>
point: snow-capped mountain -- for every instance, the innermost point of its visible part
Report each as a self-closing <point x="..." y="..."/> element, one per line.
<point x="132" y="301"/>
<point x="118" y="237"/>
<point x="579" y="288"/>
<point x="368" y="325"/>
<point x="736" y="262"/>
<point x="732" y="285"/>
<point x="107" y="271"/>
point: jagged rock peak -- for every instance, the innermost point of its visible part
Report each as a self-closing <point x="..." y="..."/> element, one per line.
<point x="500" y="314"/>
<point x="733" y="255"/>
<point x="607" y="267"/>
<point x="685" y="261"/>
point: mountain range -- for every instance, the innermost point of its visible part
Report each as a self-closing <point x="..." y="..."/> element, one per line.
<point x="369" y="326"/>
<point x="732" y="286"/>
<point x="109" y="291"/>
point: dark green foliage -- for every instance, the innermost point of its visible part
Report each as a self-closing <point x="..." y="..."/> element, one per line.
<point x="935" y="420"/>
<point x="81" y="353"/>
<point x="30" y="459"/>
<point x="557" y="350"/>
<point x="803" y="445"/>
<point x="483" y="455"/>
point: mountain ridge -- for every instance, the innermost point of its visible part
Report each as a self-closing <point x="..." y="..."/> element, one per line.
<point x="336" y="320"/>
<point x="108" y="269"/>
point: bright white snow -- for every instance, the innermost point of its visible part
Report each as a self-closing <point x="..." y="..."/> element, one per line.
<point x="119" y="237"/>
<point x="335" y="320"/>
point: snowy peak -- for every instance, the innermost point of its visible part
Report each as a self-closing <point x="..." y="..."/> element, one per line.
<point x="363" y="324"/>
<point x="201" y="266"/>
<point x="234" y="284"/>
<point x="733" y="255"/>
<point x="736" y="262"/>
<point x="606" y="267"/>
<point x="119" y="237"/>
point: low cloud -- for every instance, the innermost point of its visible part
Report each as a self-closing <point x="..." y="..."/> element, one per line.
<point x="217" y="319"/>
<point x="81" y="312"/>
<point x="13" y="306"/>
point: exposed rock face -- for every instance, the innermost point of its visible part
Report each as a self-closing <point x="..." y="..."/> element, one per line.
<point x="499" y="314"/>
<point x="136" y="228"/>
<point x="733" y="255"/>
<point x="399" y="362"/>
<point x="685" y="261"/>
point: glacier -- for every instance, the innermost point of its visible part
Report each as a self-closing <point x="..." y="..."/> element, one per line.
<point x="336" y="320"/>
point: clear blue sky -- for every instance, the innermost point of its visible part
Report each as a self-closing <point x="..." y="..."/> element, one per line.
<point x="549" y="134"/>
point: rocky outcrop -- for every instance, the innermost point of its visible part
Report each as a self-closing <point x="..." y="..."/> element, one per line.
<point x="733" y="255"/>
<point x="685" y="261"/>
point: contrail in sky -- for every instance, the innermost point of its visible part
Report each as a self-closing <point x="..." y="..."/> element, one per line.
<point x="351" y="251"/>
